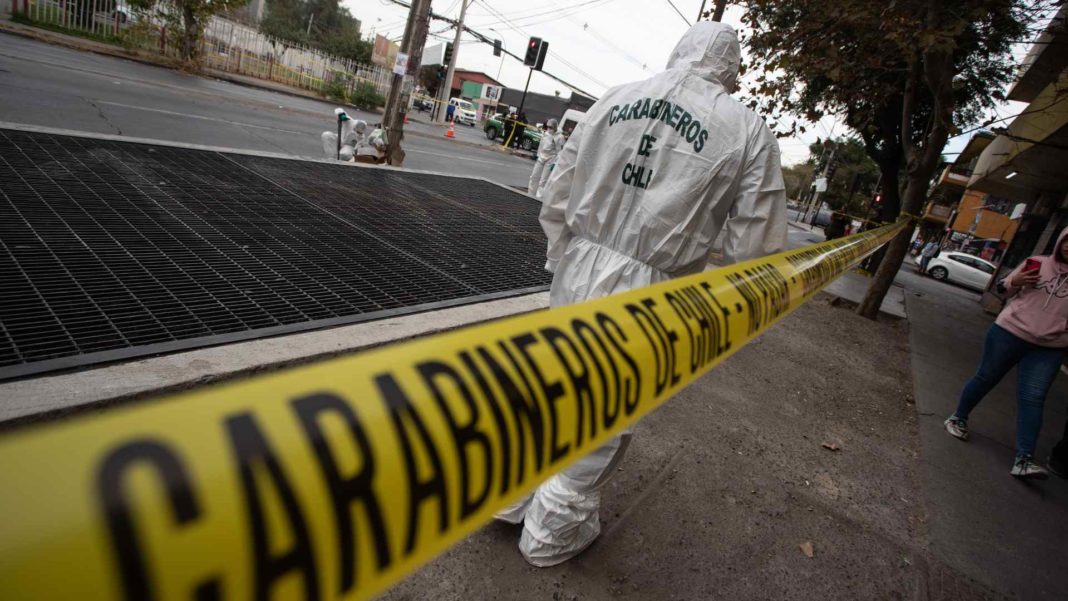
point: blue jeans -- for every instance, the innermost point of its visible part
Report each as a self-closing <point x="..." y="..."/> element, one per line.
<point x="1038" y="366"/>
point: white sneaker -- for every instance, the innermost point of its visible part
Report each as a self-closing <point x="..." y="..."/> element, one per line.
<point x="1026" y="468"/>
<point x="956" y="427"/>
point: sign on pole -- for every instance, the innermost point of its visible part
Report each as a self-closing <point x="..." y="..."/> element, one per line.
<point x="401" y="66"/>
<point x="821" y="184"/>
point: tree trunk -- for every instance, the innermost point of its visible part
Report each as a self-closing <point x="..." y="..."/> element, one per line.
<point x="894" y="255"/>
<point x="937" y="73"/>
<point x="190" y="33"/>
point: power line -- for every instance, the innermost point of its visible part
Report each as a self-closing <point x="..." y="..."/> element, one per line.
<point x="487" y="40"/>
<point x="557" y="12"/>
<point x="567" y="63"/>
<point x="681" y="16"/>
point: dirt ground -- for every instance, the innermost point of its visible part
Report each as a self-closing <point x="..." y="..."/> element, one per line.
<point x="723" y="485"/>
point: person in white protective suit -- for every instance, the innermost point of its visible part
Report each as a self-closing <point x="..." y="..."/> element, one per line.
<point x="550" y="145"/>
<point x="353" y="135"/>
<point x="640" y="191"/>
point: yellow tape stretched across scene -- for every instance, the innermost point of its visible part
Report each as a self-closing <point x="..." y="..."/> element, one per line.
<point x="334" y="480"/>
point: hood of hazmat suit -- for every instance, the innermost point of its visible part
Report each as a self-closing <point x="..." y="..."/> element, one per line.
<point x="654" y="173"/>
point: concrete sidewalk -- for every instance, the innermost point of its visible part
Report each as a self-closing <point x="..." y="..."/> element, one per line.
<point x="1011" y="536"/>
<point x="723" y="485"/>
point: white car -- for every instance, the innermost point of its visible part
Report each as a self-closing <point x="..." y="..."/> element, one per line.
<point x="465" y="111"/>
<point x="961" y="268"/>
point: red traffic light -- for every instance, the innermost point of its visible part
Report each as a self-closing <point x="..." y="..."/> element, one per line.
<point x="878" y="199"/>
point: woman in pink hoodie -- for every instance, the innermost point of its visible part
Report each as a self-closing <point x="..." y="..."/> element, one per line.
<point x="1032" y="334"/>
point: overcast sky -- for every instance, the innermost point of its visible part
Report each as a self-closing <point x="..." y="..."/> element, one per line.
<point x="593" y="44"/>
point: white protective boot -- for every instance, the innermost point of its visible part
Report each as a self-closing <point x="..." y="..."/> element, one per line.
<point x="563" y="518"/>
<point x="513" y="514"/>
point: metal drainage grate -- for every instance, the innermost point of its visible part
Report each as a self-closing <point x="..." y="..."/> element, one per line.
<point x="112" y="250"/>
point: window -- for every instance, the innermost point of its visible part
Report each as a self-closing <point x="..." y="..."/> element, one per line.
<point x="984" y="266"/>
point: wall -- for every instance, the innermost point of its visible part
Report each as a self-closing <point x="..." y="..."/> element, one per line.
<point x="991" y="224"/>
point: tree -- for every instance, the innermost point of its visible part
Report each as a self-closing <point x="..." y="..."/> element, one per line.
<point x="285" y="20"/>
<point x="321" y="24"/>
<point x="850" y="154"/>
<point x="187" y="18"/>
<point x="903" y="75"/>
<point x="797" y="178"/>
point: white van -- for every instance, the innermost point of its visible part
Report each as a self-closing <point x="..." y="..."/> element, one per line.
<point x="570" y="119"/>
<point x="465" y="111"/>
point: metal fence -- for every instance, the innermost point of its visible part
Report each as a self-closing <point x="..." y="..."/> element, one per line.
<point x="225" y="45"/>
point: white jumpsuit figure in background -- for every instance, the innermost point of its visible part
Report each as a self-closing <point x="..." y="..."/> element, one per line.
<point x="547" y="151"/>
<point x="639" y="194"/>
<point x="352" y="136"/>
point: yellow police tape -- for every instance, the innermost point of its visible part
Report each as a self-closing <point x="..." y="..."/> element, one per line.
<point x="335" y="480"/>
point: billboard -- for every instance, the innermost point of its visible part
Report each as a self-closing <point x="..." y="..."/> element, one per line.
<point x="384" y="52"/>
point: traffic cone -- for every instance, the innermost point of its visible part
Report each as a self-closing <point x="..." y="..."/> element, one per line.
<point x="451" y="132"/>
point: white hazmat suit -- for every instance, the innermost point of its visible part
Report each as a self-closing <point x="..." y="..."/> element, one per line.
<point x="548" y="148"/>
<point x="352" y="136"/>
<point x="639" y="194"/>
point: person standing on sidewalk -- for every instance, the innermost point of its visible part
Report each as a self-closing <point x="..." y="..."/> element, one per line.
<point x="930" y="250"/>
<point x="548" y="148"/>
<point x="649" y="178"/>
<point x="1031" y="333"/>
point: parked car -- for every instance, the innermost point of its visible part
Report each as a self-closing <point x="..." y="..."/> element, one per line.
<point x="961" y="268"/>
<point x="465" y="111"/>
<point x="495" y="131"/>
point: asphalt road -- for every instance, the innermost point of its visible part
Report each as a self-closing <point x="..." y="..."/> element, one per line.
<point x="53" y="86"/>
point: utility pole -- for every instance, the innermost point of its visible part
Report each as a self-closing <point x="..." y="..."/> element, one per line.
<point x="311" y="18"/>
<point x="721" y="5"/>
<point x="701" y="12"/>
<point x="412" y="45"/>
<point x="446" y="85"/>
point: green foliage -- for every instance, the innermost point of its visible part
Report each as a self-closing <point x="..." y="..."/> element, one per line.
<point x="336" y="89"/>
<point x="852" y="159"/>
<point x="903" y="75"/>
<point x="186" y="19"/>
<point x="321" y="24"/>
<point x="365" y="96"/>
<point x="796" y="177"/>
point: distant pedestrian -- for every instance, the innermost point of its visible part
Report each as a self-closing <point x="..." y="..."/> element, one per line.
<point x="449" y="112"/>
<point x="1029" y="334"/>
<point x="930" y="250"/>
<point x="509" y="128"/>
<point x="550" y="145"/>
<point x="520" y="121"/>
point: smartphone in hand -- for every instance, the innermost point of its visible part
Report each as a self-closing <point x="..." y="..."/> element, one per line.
<point x="1032" y="264"/>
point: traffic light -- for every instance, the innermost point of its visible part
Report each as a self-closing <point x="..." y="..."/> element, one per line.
<point x="541" y="55"/>
<point x="533" y="49"/>
<point x="445" y="60"/>
<point x="831" y="169"/>
<point x="877" y="201"/>
<point x="496" y="47"/>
